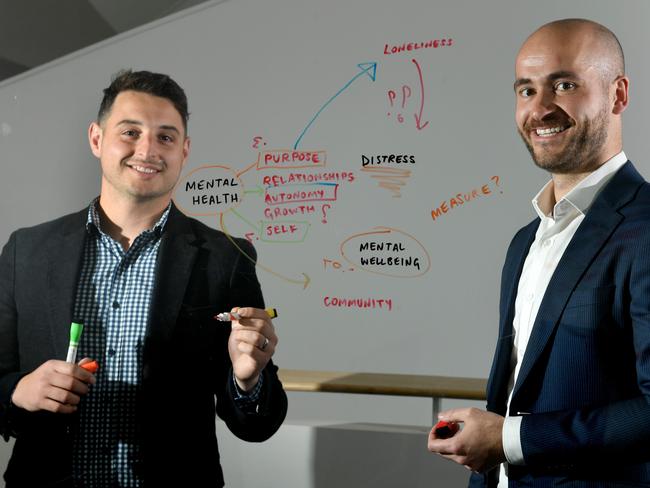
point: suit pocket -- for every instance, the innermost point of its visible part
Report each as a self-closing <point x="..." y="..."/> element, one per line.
<point x="589" y="310"/>
<point x="583" y="297"/>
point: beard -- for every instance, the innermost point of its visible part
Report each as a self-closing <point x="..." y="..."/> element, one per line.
<point x="581" y="152"/>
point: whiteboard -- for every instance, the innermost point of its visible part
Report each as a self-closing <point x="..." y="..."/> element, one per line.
<point x="367" y="148"/>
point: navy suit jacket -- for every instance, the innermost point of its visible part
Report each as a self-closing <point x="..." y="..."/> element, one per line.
<point x="584" y="384"/>
<point x="186" y="365"/>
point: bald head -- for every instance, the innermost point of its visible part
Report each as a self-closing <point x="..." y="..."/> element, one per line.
<point x="571" y="90"/>
<point x="598" y="44"/>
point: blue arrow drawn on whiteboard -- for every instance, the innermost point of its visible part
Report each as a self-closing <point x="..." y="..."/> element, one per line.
<point x="369" y="69"/>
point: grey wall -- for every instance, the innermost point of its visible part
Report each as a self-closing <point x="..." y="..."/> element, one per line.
<point x="264" y="69"/>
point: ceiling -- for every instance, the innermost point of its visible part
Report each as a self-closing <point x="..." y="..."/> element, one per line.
<point x="34" y="32"/>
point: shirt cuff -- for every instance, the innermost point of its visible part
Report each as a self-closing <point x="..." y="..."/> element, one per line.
<point x="512" y="440"/>
<point x="247" y="399"/>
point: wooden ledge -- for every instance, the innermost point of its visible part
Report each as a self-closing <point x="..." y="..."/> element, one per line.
<point x="384" y="384"/>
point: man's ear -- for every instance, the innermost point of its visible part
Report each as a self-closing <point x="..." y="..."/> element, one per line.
<point x="95" y="139"/>
<point x="186" y="150"/>
<point x="621" y="86"/>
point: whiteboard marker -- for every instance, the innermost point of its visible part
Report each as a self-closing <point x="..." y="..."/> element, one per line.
<point x="75" y="336"/>
<point x="445" y="430"/>
<point x="229" y="316"/>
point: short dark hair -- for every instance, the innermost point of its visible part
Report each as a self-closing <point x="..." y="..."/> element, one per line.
<point x="157" y="84"/>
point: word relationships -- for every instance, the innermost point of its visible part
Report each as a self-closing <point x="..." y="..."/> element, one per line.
<point x="294" y="178"/>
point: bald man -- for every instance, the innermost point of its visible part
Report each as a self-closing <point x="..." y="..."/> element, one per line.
<point x="569" y="390"/>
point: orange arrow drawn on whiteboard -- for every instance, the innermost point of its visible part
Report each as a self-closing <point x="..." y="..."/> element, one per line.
<point x="247" y="169"/>
<point x="304" y="282"/>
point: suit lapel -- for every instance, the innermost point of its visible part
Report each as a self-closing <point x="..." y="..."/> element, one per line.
<point x="514" y="268"/>
<point x="501" y="368"/>
<point x="178" y="251"/>
<point x="592" y="234"/>
<point x="64" y="254"/>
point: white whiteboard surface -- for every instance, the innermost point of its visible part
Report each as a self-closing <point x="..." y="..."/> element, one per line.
<point x="284" y="73"/>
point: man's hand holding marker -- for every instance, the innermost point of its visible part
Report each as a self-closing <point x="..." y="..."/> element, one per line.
<point x="251" y="344"/>
<point x="57" y="386"/>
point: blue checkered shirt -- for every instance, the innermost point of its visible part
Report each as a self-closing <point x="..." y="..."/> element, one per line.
<point x="112" y="301"/>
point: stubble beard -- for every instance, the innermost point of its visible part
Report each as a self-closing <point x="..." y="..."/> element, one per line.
<point x="139" y="194"/>
<point x="581" y="153"/>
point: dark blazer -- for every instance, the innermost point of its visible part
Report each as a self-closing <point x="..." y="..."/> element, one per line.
<point x="185" y="359"/>
<point x="584" y="384"/>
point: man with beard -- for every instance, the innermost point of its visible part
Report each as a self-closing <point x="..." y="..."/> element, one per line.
<point x="569" y="390"/>
<point x="146" y="282"/>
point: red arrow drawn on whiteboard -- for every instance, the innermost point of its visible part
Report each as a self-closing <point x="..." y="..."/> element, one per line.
<point x="418" y="117"/>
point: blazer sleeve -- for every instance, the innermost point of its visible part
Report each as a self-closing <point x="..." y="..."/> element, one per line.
<point x="257" y="424"/>
<point x="9" y="364"/>
<point x="615" y="431"/>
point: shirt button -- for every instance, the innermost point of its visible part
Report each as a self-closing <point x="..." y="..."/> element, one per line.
<point x="116" y="304"/>
<point x="111" y="352"/>
<point x="548" y="242"/>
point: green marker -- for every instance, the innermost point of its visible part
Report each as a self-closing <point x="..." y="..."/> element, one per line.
<point x="75" y="337"/>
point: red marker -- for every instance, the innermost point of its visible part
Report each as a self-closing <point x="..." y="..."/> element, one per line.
<point x="91" y="366"/>
<point x="229" y="316"/>
<point x="445" y="430"/>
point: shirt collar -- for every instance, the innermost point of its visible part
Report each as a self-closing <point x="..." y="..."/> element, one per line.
<point x="93" y="222"/>
<point x="581" y="196"/>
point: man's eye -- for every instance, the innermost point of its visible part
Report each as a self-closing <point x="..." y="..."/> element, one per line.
<point x="564" y="86"/>
<point x="130" y="133"/>
<point x="166" y="138"/>
<point x="526" y="92"/>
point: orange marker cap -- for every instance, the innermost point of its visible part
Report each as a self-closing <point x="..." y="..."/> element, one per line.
<point x="91" y="367"/>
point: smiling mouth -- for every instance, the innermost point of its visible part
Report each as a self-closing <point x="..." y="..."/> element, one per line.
<point x="143" y="169"/>
<point x="550" y="131"/>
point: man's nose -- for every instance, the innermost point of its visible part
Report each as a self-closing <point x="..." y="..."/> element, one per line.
<point x="146" y="148"/>
<point x="543" y="104"/>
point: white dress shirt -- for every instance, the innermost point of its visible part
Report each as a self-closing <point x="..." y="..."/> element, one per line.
<point x="558" y="224"/>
